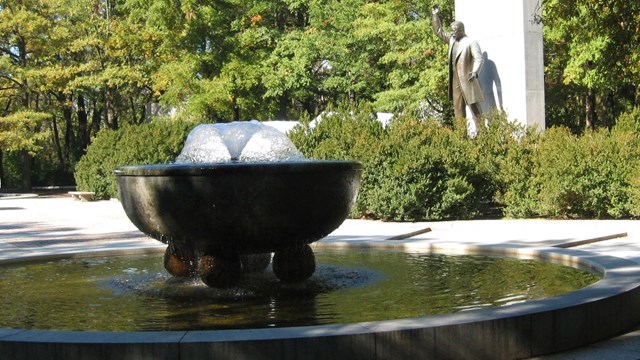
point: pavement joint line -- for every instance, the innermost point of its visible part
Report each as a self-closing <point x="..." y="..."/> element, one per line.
<point x="575" y="243"/>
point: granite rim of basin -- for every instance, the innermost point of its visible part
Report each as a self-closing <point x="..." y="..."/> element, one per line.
<point x="533" y="328"/>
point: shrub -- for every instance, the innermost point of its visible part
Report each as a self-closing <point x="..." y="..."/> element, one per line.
<point x="561" y="175"/>
<point x="629" y="124"/>
<point x="152" y="143"/>
<point x="585" y="176"/>
<point x="514" y="187"/>
<point x="629" y="121"/>
<point x="413" y="170"/>
<point x="12" y="166"/>
<point x="429" y="173"/>
<point x="496" y="149"/>
<point x="345" y="135"/>
<point x="504" y="157"/>
<point x="418" y="170"/>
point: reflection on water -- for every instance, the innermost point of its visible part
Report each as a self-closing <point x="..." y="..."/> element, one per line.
<point x="133" y="293"/>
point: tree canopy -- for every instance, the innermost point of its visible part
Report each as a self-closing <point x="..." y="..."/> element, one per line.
<point x="592" y="61"/>
<point x="82" y="65"/>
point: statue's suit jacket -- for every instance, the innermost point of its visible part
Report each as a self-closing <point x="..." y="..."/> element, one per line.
<point x="468" y="59"/>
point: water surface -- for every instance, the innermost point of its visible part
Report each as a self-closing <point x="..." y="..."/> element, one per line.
<point x="134" y="293"/>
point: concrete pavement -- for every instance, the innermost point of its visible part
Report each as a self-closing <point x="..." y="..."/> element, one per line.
<point x="33" y="226"/>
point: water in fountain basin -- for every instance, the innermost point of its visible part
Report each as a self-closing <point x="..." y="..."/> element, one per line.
<point x="133" y="293"/>
<point x="237" y="141"/>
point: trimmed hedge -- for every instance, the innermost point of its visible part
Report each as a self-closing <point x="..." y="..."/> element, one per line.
<point x="413" y="169"/>
<point x="416" y="170"/>
<point x="562" y="175"/>
<point x="153" y="143"/>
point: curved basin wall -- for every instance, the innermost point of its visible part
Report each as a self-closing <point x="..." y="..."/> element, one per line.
<point x="523" y="330"/>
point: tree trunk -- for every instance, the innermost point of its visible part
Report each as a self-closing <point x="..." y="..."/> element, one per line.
<point x="236" y="110"/>
<point x="68" y="133"/>
<point x="56" y="139"/>
<point x="236" y="113"/>
<point x="111" y="119"/>
<point x="26" y="170"/>
<point x="283" y="103"/>
<point x="83" y="130"/>
<point x="96" y="118"/>
<point x="1" y="168"/>
<point x="143" y="117"/>
<point x="590" y="107"/>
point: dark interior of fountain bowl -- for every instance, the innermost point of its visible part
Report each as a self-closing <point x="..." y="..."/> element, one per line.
<point x="134" y="293"/>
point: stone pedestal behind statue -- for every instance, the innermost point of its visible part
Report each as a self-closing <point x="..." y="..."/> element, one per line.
<point x="510" y="35"/>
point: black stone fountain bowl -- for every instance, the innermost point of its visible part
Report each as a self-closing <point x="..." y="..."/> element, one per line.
<point x="239" y="207"/>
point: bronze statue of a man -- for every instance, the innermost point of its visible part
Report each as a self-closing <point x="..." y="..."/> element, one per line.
<point x="465" y="63"/>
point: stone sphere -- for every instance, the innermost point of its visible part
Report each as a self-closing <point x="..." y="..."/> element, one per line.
<point x="294" y="264"/>
<point x="219" y="272"/>
<point x="253" y="263"/>
<point x="179" y="263"/>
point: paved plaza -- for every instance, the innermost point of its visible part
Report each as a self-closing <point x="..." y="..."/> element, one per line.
<point x="58" y="224"/>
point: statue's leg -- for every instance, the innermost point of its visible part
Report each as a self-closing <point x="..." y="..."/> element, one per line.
<point x="475" y="113"/>
<point x="459" y="105"/>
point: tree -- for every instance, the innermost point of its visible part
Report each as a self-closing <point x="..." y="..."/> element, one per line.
<point x="358" y="50"/>
<point x="71" y="59"/>
<point x="592" y="59"/>
<point x="22" y="132"/>
<point x="28" y="35"/>
<point x="414" y="60"/>
<point x="195" y="43"/>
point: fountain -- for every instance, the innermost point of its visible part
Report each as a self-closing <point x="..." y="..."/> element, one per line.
<point x="237" y="193"/>
<point x="223" y="209"/>
<point x="517" y="330"/>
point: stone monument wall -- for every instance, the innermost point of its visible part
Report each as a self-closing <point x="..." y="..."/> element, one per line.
<point x="510" y="35"/>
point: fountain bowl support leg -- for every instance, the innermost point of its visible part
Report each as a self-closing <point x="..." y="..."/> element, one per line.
<point x="220" y="272"/>
<point x="294" y="264"/>
<point x="179" y="263"/>
<point x="255" y="263"/>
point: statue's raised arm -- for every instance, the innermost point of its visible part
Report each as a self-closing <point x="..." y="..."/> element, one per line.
<point x="437" y="24"/>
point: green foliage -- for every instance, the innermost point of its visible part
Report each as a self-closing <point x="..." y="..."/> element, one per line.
<point x="70" y="68"/>
<point x="426" y="173"/>
<point x="586" y="176"/>
<point x="628" y="126"/>
<point x="12" y="166"/>
<point x="413" y="170"/>
<point x="22" y="131"/>
<point x="562" y="175"/>
<point x="504" y="157"/>
<point x="153" y="143"/>
<point x="419" y="170"/>
<point x="629" y="121"/>
<point x="591" y="61"/>
<point x="514" y="189"/>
